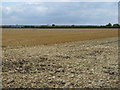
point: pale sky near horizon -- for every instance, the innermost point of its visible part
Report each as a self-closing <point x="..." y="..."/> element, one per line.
<point x="60" y="0"/>
<point x="59" y="13"/>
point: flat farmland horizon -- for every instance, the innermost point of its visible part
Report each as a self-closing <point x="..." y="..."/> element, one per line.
<point x="60" y="45"/>
<point x="81" y="58"/>
<point x="33" y="37"/>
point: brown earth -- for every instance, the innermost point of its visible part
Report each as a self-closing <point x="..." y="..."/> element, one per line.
<point x="82" y="64"/>
<point x="32" y="37"/>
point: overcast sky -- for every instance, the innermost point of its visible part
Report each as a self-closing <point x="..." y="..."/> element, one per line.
<point x="60" y="0"/>
<point x="59" y="13"/>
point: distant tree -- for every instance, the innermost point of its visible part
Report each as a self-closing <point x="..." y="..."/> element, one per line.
<point x="72" y="26"/>
<point x="109" y="25"/>
<point x="116" y="25"/>
<point x="53" y="25"/>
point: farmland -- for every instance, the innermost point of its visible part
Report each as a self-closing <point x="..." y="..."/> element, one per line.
<point x="60" y="58"/>
<point x="33" y="37"/>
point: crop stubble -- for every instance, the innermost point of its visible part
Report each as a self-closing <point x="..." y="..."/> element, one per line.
<point x="32" y="37"/>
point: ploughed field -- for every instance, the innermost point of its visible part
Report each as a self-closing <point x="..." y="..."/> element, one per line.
<point x="33" y="37"/>
<point x="87" y="58"/>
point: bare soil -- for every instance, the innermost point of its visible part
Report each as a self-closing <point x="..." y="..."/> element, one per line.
<point x="78" y="64"/>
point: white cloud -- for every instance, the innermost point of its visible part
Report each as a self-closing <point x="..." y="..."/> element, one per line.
<point x="24" y="9"/>
<point x="7" y="9"/>
<point x="41" y="9"/>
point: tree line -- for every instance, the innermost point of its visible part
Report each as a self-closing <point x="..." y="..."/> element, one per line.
<point x="62" y="26"/>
